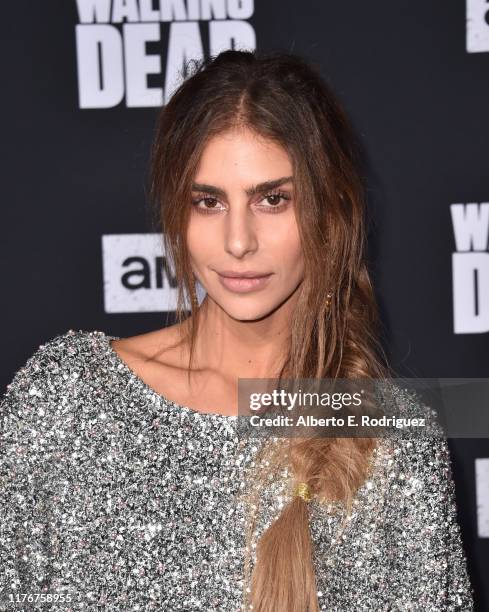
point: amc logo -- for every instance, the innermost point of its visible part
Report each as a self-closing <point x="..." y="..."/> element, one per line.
<point x="477" y="26"/>
<point x="137" y="275"/>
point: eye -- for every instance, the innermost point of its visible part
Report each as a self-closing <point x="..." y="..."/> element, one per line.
<point x="206" y="204"/>
<point x="273" y="200"/>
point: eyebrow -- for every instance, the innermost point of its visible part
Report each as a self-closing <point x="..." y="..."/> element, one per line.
<point x="250" y="191"/>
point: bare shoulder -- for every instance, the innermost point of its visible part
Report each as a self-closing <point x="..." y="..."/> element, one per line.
<point x="159" y="359"/>
<point x="162" y="346"/>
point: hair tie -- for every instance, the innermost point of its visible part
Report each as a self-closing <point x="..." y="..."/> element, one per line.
<point x="302" y="490"/>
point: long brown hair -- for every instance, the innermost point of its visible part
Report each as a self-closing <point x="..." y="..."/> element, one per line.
<point x="282" y="97"/>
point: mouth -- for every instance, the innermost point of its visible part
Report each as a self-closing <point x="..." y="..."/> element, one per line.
<point x="243" y="282"/>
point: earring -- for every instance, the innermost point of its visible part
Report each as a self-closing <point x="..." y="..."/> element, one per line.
<point x="328" y="299"/>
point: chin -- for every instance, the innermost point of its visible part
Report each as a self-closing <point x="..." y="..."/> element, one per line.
<point x="247" y="314"/>
<point x="248" y="309"/>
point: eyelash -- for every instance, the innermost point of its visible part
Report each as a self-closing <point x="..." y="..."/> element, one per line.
<point x="273" y="209"/>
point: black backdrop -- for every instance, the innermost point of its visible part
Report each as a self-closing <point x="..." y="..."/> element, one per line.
<point x="413" y="76"/>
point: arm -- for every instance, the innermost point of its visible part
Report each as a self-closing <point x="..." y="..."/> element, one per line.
<point x="25" y="481"/>
<point x="425" y="538"/>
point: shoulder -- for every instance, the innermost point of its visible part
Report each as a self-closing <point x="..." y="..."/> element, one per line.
<point x="53" y="369"/>
<point x="163" y="346"/>
<point x="159" y="358"/>
<point x="419" y="443"/>
<point x="419" y="475"/>
<point x="70" y="349"/>
<point x="38" y="407"/>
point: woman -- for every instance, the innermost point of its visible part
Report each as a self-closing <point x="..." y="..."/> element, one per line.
<point x="124" y="481"/>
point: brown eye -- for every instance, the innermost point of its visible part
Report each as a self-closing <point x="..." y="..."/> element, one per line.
<point x="210" y="202"/>
<point x="273" y="202"/>
<point x="205" y="204"/>
<point x="272" y="196"/>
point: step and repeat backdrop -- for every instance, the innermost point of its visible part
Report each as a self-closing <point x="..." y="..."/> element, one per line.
<point x="82" y="84"/>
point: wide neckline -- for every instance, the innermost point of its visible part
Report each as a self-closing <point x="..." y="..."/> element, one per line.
<point x="148" y="390"/>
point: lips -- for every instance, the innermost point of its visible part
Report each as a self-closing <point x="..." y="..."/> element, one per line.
<point x="247" y="274"/>
<point x="243" y="282"/>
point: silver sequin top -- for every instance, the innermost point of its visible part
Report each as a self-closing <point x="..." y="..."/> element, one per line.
<point x="120" y="499"/>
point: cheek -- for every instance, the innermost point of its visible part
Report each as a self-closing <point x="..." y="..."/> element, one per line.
<point x="296" y="260"/>
<point x="199" y="244"/>
<point x="287" y="251"/>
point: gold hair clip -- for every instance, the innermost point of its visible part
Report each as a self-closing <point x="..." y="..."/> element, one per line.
<point x="302" y="490"/>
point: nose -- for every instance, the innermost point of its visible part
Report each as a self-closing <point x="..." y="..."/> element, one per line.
<point x="240" y="232"/>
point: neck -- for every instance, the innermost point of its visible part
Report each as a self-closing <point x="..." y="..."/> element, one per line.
<point x="245" y="349"/>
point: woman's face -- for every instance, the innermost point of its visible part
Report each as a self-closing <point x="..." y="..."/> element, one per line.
<point x="239" y="223"/>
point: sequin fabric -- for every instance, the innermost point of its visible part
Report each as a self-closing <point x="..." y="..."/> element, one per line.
<point x="126" y="501"/>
